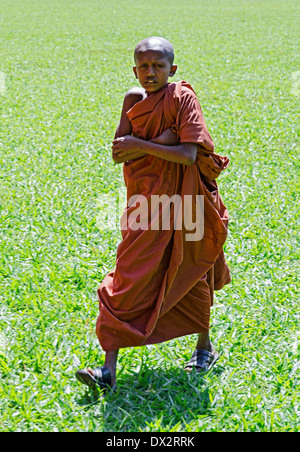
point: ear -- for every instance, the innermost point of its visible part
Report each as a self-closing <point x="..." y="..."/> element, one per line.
<point x="173" y="70"/>
<point x="135" y="71"/>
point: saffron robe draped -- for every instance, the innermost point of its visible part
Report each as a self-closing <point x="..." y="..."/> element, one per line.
<point x="162" y="285"/>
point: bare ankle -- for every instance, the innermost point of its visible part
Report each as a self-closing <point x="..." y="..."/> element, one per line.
<point x="204" y="342"/>
<point x="111" y="359"/>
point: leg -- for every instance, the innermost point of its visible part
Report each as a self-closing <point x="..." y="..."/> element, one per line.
<point x="204" y="342"/>
<point x="111" y="364"/>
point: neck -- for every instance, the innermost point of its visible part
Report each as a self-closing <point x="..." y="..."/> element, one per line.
<point x="158" y="91"/>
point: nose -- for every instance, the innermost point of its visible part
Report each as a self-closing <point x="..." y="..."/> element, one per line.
<point x="150" y="72"/>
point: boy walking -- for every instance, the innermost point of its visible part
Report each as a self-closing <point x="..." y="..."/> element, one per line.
<point x="163" y="284"/>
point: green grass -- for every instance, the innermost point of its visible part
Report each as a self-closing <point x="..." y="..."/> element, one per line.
<point x="66" y="66"/>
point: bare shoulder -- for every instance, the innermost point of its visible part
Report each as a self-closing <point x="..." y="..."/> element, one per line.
<point x="134" y="95"/>
<point x="136" y="91"/>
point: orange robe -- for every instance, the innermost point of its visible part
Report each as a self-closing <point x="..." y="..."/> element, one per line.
<point x="162" y="285"/>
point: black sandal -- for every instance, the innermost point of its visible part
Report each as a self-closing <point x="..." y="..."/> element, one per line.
<point x="202" y="361"/>
<point x="101" y="378"/>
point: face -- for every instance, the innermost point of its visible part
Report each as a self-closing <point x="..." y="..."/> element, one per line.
<point x="153" y="69"/>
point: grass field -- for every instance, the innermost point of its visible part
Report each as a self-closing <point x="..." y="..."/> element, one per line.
<point x="64" y="67"/>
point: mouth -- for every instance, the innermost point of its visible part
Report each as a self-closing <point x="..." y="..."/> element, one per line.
<point x="150" y="82"/>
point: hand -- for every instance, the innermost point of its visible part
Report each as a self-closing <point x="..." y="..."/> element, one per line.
<point x="126" y="148"/>
<point x="125" y="145"/>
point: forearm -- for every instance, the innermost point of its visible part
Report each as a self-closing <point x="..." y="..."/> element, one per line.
<point x="165" y="147"/>
<point x="184" y="153"/>
<point x="133" y="155"/>
<point x="129" y="156"/>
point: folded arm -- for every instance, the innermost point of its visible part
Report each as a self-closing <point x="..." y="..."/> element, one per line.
<point x="124" y="147"/>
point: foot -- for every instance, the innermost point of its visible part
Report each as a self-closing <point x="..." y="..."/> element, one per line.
<point x="204" y="357"/>
<point x="112" y="371"/>
<point x="103" y="377"/>
<point x="95" y="378"/>
<point x="201" y="360"/>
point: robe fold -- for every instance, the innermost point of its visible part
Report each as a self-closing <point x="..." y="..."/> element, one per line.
<point x="163" y="284"/>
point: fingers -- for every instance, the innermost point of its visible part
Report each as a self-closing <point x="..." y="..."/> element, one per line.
<point x="118" y="140"/>
<point x="124" y="144"/>
<point x="117" y="147"/>
<point x="119" y="143"/>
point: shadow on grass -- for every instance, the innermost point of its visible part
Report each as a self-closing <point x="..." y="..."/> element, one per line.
<point x="153" y="400"/>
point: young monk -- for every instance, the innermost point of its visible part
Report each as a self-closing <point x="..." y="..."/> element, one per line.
<point x="163" y="284"/>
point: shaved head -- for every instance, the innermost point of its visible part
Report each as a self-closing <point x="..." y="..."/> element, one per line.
<point x="157" y="44"/>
